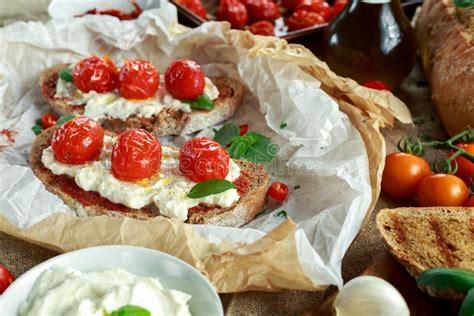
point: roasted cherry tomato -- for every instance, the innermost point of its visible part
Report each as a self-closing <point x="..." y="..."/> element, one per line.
<point x="243" y="129"/>
<point x="376" y="84"/>
<point x="465" y="167"/>
<point x="95" y="74"/>
<point x="262" y="28"/>
<point x="442" y="190"/>
<point x="293" y="4"/>
<point x="138" y="79"/>
<point x="338" y="6"/>
<point x="278" y="191"/>
<point x="202" y="159"/>
<point x="470" y="202"/>
<point x="78" y="141"/>
<point x="194" y="6"/>
<point x="233" y="12"/>
<point x="185" y="80"/>
<point x="6" y="278"/>
<point x="301" y="19"/>
<point x="403" y="174"/>
<point x="320" y="7"/>
<point x="263" y="10"/>
<point x="49" y="120"/>
<point x="136" y="155"/>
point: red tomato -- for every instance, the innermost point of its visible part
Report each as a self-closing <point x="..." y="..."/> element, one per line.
<point x="138" y="79"/>
<point x="95" y="74"/>
<point x="278" y="191"/>
<point x="338" y="6"/>
<point x="442" y="190"/>
<point x="136" y="155"/>
<point x="233" y="12"/>
<point x="320" y="7"/>
<point x="244" y="128"/>
<point x="202" y="159"/>
<point x="293" y="4"/>
<point x="184" y="80"/>
<point x="465" y="167"/>
<point x="194" y="6"/>
<point x="262" y="28"/>
<point x="78" y="141"/>
<point x="301" y="19"/>
<point x="470" y="202"/>
<point x="260" y="10"/>
<point x="403" y="174"/>
<point x="6" y="278"/>
<point x="376" y="84"/>
<point x="49" y="120"/>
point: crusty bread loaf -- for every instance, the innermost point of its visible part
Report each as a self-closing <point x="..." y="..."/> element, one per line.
<point x="249" y="205"/>
<point x="167" y="122"/>
<point x="423" y="238"/>
<point x="445" y="39"/>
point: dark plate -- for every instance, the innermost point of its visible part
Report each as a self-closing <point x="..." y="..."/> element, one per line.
<point x="188" y="18"/>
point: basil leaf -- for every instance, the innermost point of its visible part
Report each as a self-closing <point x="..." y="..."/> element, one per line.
<point x="262" y="151"/>
<point x="463" y="3"/>
<point x="447" y="278"/>
<point x="226" y="134"/>
<point x="37" y="129"/>
<point x="467" y="307"/>
<point x="210" y="187"/>
<point x="63" y="119"/>
<point x="239" y="147"/>
<point x="254" y="137"/>
<point x="66" y="74"/>
<point x="202" y="102"/>
<point x="283" y="124"/>
<point x="130" y="310"/>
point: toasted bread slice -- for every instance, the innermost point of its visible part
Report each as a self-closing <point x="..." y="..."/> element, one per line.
<point x="167" y="122"/>
<point x="92" y="204"/>
<point x="423" y="238"/>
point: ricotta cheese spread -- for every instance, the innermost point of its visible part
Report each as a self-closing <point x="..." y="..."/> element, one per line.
<point x="167" y="190"/>
<point x="65" y="291"/>
<point x="111" y="104"/>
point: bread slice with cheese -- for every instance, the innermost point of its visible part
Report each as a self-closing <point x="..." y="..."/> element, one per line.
<point x="170" y="121"/>
<point x="92" y="204"/>
<point x="434" y="237"/>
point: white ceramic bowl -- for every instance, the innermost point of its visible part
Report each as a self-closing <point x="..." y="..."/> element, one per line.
<point x="71" y="8"/>
<point x="172" y="272"/>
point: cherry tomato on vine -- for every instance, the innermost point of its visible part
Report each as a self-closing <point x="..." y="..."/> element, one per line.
<point x="136" y="155"/>
<point x="263" y="10"/>
<point x="262" y="28"/>
<point x="194" y="6"/>
<point x="375" y="84"/>
<point x="278" y="191"/>
<point x="233" y="12"/>
<point x="95" y="74"/>
<point x="78" y="141"/>
<point x="320" y="7"/>
<point x="301" y="19"/>
<point x="470" y="202"/>
<point x="442" y="190"/>
<point x="465" y="167"/>
<point x="202" y="159"/>
<point x="244" y="128"/>
<point x="184" y="80"/>
<point x="49" y="120"/>
<point x="6" y="278"/>
<point x="138" y="79"/>
<point x="403" y="174"/>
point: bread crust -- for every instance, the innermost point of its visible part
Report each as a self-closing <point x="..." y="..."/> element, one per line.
<point x="169" y="121"/>
<point x="249" y="205"/>
<point x="423" y="238"/>
<point x="446" y="49"/>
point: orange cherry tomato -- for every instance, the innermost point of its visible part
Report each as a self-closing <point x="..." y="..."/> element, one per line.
<point x="376" y="84"/>
<point x="244" y="128"/>
<point x="278" y="191"/>
<point x="202" y="159"/>
<point x="49" y="120"/>
<point x="138" y="79"/>
<point x="262" y="28"/>
<point x="301" y="19"/>
<point x="6" y="278"/>
<point x="78" y="141"/>
<point x="465" y="167"/>
<point x="470" y="202"/>
<point x="233" y="12"/>
<point x="194" y="6"/>
<point x="136" y="155"/>
<point x="442" y="190"/>
<point x="403" y="174"/>
<point x="320" y="7"/>
<point x="184" y="80"/>
<point x="95" y="74"/>
<point x="263" y="10"/>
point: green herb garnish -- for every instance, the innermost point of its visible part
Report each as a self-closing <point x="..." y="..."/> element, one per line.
<point x="282" y="214"/>
<point x="129" y="310"/>
<point x="283" y="124"/>
<point x="210" y="187"/>
<point x="63" y="119"/>
<point x="202" y="102"/>
<point x="37" y="129"/>
<point x="297" y="187"/>
<point x="463" y="3"/>
<point x="66" y="74"/>
<point x="418" y="121"/>
<point x="226" y="134"/>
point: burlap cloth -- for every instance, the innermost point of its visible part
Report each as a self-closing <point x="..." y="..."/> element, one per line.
<point x="19" y="256"/>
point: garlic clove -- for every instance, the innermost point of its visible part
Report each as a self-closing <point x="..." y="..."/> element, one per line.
<point x="369" y="296"/>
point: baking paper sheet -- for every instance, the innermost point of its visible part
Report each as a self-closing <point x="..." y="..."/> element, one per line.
<point x="335" y="157"/>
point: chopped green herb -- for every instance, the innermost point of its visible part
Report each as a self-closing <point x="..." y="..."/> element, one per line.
<point x="297" y="187"/>
<point x="282" y="214"/>
<point x="63" y="119"/>
<point x="66" y="74"/>
<point x="226" y="134"/>
<point x="37" y="129"/>
<point x="283" y="124"/>
<point x="210" y="187"/>
<point x="129" y="310"/>
<point x="39" y="122"/>
<point x="202" y="102"/>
